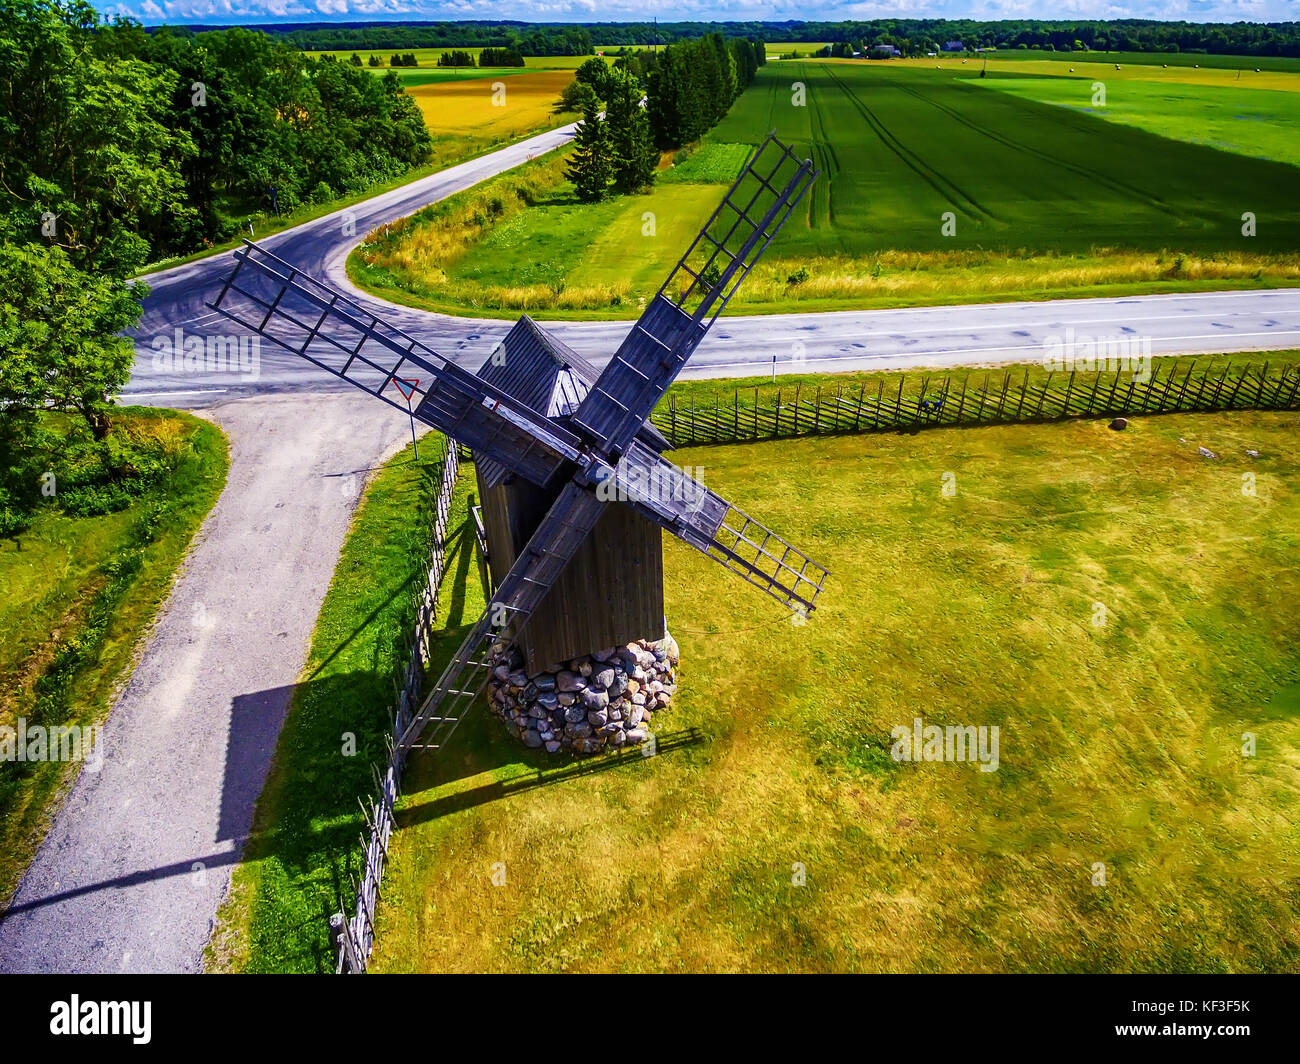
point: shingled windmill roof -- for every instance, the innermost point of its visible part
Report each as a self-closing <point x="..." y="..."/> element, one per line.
<point x="545" y="373"/>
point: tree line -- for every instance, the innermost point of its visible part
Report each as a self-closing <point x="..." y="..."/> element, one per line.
<point x="909" y="35"/>
<point x="488" y="57"/>
<point x="651" y="101"/>
<point x="540" y="40"/>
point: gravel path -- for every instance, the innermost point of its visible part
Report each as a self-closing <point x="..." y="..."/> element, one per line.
<point x="139" y="857"/>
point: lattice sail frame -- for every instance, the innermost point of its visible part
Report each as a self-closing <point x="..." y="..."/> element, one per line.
<point x="695" y="292"/>
<point x="369" y="353"/>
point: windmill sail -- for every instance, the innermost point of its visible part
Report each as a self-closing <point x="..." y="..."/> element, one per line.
<point x="696" y="291"/>
<point x="274" y="299"/>
<point x="568" y="522"/>
<point x="661" y="492"/>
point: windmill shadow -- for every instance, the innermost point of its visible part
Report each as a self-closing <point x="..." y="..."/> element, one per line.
<point x="541" y="771"/>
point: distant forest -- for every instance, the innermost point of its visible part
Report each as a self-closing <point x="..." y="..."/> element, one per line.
<point x="1125" y="35"/>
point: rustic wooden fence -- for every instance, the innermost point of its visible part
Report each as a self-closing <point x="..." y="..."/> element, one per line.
<point x="353" y="938"/>
<point x="768" y="412"/>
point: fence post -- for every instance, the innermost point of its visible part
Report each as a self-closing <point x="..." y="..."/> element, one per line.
<point x="341" y="936"/>
<point x="1090" y="410"/>
<point x="1161" y="407"/>
<point x="1218" y="388"/>
<point x="1002" y="399"/>
<point x="1110" y="399"/>
<point x="1183" y="390"/>
<point x="1290" y="399"/>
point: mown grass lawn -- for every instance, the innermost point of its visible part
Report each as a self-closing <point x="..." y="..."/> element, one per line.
<point x="1121" y="744"/>
<point x="77" y="597"/>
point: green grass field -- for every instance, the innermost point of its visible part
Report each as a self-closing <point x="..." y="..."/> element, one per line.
<point x="1120" y="744"/>
<point x="1259" y="123"/>
<point x="79" y="592"/>
<point x="1246" y="63"/>
<point x="899" y="146"/>
<point x="1043" y="200"/>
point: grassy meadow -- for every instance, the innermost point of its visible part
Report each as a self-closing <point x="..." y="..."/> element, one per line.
<point x="1260" y="122"/>
<point x="80" y="592"/>
<point x="1044" y="199"/>
<point x="1120" y="744"/>
<point x="1190" y="61"/>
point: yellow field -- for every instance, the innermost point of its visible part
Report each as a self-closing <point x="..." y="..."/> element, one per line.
<point x="523" y="103"/>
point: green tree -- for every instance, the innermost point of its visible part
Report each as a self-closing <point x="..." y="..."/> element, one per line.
<point x="59" y="330"/>
<point x="591" y="165"/>
<point x="575" y="96"/>
<point x="632" y="147"/>
<point x="596" y="73"/>
<point x="87" y="157"/>
<point x="669" y="100"/>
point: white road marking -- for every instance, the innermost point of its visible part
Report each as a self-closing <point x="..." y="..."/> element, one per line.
<point x="1061" y="322"/>
<point x="150" y="395"/>
<point x="976" y="350"/>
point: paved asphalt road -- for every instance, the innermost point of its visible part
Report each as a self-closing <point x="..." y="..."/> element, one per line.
<point x="736" y="346"/>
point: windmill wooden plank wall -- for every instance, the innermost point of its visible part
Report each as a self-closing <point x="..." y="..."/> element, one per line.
<point x="611" y="592"/>
<point x="616" y="578"/>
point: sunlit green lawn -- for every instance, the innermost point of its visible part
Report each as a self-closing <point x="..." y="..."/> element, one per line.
<point x="1120" y="745"/>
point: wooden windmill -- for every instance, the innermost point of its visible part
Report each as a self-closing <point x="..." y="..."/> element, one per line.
<point x="612" y="590"/>
<point x="575" y="442"/>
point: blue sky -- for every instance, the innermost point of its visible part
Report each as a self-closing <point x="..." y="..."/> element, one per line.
<point x="225" y="11"/>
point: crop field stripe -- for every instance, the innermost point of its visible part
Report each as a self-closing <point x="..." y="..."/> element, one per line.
<point x="1091" y="173"/>
<point x="936" y="180"/>
<point x="822" y="150"/>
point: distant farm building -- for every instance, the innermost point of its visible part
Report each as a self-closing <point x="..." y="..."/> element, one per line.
<point x="954" y="46"/>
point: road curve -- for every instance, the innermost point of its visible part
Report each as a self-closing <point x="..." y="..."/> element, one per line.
<point x="840" y="341"/>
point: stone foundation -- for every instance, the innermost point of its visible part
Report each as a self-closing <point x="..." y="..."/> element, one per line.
<point x="606" y="699"/>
